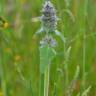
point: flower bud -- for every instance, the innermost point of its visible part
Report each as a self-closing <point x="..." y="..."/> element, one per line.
<point x="48" y="40"/>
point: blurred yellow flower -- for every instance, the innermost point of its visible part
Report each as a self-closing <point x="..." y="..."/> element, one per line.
<point x="3" y="23"/>
<point x="23" y="1"/>
<point x="17" y="58"/>
<point x="6" y="25"/>
<point x="8" y="50"/>
<point x="1" y="93"/>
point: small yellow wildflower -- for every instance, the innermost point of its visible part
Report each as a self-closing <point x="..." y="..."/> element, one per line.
<point x="17" y="58"/>
<point x="3" y="23"/>
<point x="6" y="25"/>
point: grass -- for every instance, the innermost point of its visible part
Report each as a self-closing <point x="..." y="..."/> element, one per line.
<point x="74" y="65"/>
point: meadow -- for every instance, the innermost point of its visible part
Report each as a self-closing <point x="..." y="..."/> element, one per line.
<point x="56" y="62"/>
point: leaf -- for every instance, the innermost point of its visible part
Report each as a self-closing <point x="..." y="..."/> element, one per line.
<point x="67" y="55"/>
<point x="60" y="35"/>
<point x="85" y="93"/>
<point x="46" y="55"/>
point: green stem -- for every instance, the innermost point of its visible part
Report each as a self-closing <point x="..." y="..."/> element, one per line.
<point x="2" y="77"/>
<point x="46" y="80"/>
<point x="41" y="93"/>
<point x="82" y="19"/>
<point x="66" y="75"/>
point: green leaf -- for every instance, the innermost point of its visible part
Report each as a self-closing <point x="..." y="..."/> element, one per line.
<point x="46" y="55"/>
<point x="85" y="93"/>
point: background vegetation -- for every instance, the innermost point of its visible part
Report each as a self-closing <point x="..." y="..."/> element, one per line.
<point x="19" y="49"/>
